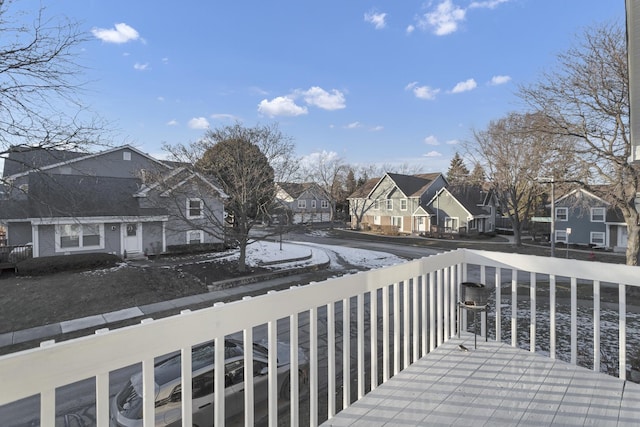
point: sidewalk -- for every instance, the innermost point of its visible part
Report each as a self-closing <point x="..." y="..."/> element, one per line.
<point x="231" y="289"/>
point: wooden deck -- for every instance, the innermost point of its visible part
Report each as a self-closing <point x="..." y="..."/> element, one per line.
<point x="495" y="385"/>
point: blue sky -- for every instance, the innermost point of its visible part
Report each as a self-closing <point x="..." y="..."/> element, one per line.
<point x="385" y="82"/>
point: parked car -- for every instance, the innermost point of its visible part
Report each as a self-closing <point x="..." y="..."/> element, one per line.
<point x="126" y="406"/>
<point x="20" y="253"/>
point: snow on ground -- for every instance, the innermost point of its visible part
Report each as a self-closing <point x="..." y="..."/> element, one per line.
<point x="262" y="252"/>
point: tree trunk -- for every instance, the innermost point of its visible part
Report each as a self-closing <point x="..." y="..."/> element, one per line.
<point x="633" y="243"/>
<point x="242" y="259"/>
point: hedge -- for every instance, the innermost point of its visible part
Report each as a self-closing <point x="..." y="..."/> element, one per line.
<point x="54" y="264"/>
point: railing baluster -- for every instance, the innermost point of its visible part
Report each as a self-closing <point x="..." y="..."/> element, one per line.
<point x="373" y="310"/>
<point x="432" y="311"/>
<point x="272" y="337"/>
<point x="247" y="336"/>
<point x="102" y="399"/>
<point x="48" y="408"/>
<point x="622" y="332"/>
<point x="439" y="314"/>
<point x="331" y="359"/>
<point x="483" y="313"/>
<point x="406" y="329"/>
<point x="552" y="316"/>
<point x="396" y="328"/>
<point x="294" y="383"/>
<point x="498" y="302"/>
<point x="360" y="338"/>
<point x="385" y="334"/>
<point x="416" y="319"/>
<point x="423" y="314"/>
<point x="148" y="393"/>
<point x="532" y="315"/>
<point x="574" y="321"/>
<point x="596" y="325"/>
<point x="446" y="285"/>
<point x="346" y="353"/>
<point x="313" y="365"/>
<point x="514" y="307"/>
<point x="187" y="391"/>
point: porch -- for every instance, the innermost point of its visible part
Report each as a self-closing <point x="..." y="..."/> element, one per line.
<point x="368" y="336"/>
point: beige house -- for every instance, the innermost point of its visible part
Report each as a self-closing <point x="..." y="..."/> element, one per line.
<point x="396" y="200"/>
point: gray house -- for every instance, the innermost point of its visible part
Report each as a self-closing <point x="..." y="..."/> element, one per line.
<point x="119" y="201"/>
<point x="303" y="202"/>
<point x="471" y="209"/>
<point x="583" y="218"/>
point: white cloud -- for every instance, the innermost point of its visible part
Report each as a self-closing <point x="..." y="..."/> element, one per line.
<point x="377" y="19"/>
<point x="422" y="92"/>
<point x="198" y="123"/>
<point x="141" y="67"/>
<point x="499" y="80"/>
<point x="431" y="140"/>
<point x="320" y="98"/>
<point x="121" y="33"/>
<point x="444" y="19"/>
<point x="353" y="125"/>
<point x="464" y="86"/>
<point x="160" y="98"/>
<point x="172" y="122"/>
<point x="433" y="154"/>
<point x="165" y="60"/>
<point x="222" y="116"/>
<point x="281" y="106"/>
<point x="410" y="29"/>
<point x="377" y="128"/>
<point x="489" y="4"/>
<point x="453" y="142"/>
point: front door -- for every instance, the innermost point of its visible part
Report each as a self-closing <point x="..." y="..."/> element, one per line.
<point x="132" y="237"/>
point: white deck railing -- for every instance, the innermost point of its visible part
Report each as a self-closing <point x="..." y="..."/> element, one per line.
<point x="390" y="317"/>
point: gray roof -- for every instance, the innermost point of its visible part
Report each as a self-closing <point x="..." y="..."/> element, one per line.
<point x="21" y="159"/>
<point x="413" y="185"/>
<point x="472" y="197"/>
<point x="78" y="196"/>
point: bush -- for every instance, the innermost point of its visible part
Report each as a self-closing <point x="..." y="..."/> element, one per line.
<point x="54" y="264"/>
<point x="196" y="248"/>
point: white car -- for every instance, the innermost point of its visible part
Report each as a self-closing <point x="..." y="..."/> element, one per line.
<point x="126" y="406"/>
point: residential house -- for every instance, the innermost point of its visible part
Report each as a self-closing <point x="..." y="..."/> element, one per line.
<point x="470" y="209"/>
<point x="398" y="200"/>
<point x="303" y="202"/>
<point x="584" y="218"/>
<point x="119" y="201"/>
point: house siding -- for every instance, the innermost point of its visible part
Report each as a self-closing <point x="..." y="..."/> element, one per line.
<point x="446" y="206"/>
<point x="19" y="233"/>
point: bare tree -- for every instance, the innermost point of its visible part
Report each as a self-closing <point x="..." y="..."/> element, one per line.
<point x="39" y="87"/>
<point x="329" y="171"/>
<point x="587" y="97"/>
<point x="515" y="154"/>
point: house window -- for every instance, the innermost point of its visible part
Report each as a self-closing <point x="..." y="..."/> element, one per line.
<point x="126" y="155"/>
<point x="376" y="220"/>
<point x="562" y="214"/>
<point x="403" y="204"/>
<point x="597" y="238"/>
<point x="389" y="204"/>
<point x="313" y="204"/>
<point x="195" y="237"/>
<point x="194" y="208"/>
<point x="397" y="221"/>
<point x="376" y="204"/>
<point x="302" y="204"/>
<point x="597" y="214"/>
<point x="324" y="204"/>
<point x="78" y="236"/>
<point x="561" y="236"/>
<point x="451" y="224"/>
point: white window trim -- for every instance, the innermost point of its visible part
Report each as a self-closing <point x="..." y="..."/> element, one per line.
<point x="597" y="233"/>
<point x="389" y="204"/>
<point x="302" y="204"/>
<point x="604" y="214"/>
<point x="455" y="221"/>
<point x="126" y="155"/>
<point x="313" y="204"/>
<point x="561" y="236"/>
<point x="377" y="220"/>
<point x="566" y="211"/>
<point x="81" y="247"/>
<point x="376" y="205"/>
<point x="406" y="204"/>
<point x="324" y="204"/>
<point x="399" y="219"/>
<point x="200" y="232"/>
<point x="189" y="216"/>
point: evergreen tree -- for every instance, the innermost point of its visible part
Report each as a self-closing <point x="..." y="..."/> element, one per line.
<point x="458" y="172"/>
<point x="477" y="176"/>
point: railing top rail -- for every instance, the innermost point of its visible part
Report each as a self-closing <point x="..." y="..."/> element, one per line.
<point x="589" y="270"/>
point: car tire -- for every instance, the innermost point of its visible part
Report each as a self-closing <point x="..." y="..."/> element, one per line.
<point x="285" y="389"/>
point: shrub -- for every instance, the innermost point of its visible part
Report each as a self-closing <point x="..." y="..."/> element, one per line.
<point x="196" y="248"/>
<point x="54" y="264"/>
